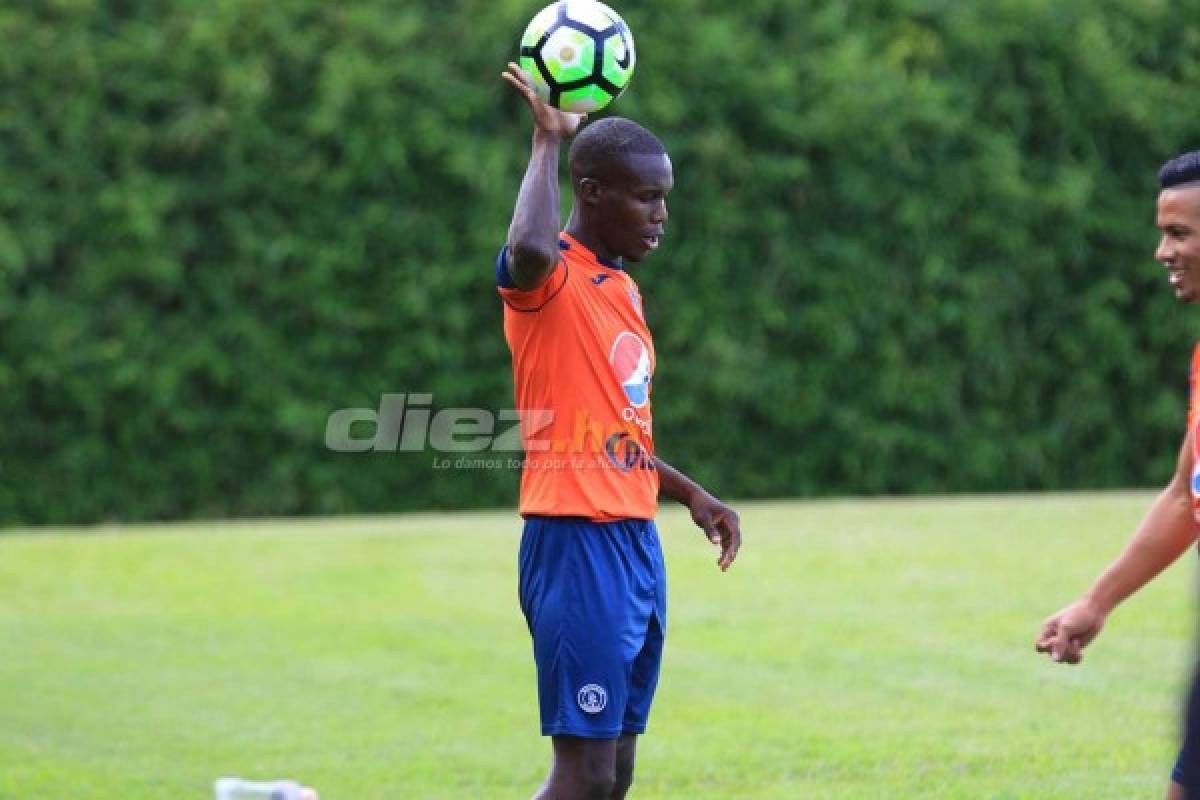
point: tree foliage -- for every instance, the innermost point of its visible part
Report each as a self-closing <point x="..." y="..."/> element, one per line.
<point x="909" y="248"/>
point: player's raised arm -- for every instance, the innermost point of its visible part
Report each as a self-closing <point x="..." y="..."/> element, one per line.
<point x="1163" y="535"/>
<point x="533" y="233"/>
<point x="719" y="522"/>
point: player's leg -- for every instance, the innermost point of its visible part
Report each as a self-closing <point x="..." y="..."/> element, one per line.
<point x="582" y="768"/>
<point x="626" y="752"/>
<point x="574" y="589"/>
<point x="643" y="680"/>
<point x="651" y="614"/>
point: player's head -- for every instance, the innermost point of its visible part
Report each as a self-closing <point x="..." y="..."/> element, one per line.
<point x="621" y="174"/>
<point x="1178" y="220"/>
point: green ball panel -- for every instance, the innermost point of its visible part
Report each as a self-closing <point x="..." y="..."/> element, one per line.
<point x="539" y="83"/>
<point x="614" y="50"/>
<point x="587" y="99"/>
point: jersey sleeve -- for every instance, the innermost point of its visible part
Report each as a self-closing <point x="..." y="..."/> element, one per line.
<point x="528" y="300"/>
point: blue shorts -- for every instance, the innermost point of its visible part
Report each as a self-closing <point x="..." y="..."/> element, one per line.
<point x="595" y="598"/>
<point x="1187" y="766"/>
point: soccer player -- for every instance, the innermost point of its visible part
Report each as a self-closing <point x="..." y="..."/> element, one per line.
<point x="592" y="583"/>
<point x="1169" y="527"/>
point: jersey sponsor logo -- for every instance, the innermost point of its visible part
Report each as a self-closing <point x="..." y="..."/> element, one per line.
<point x="592" y="698"/>
<point x="625" y="453"/>
<point x="630" y="359"/>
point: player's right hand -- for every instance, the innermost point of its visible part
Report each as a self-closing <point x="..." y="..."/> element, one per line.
<point x="1066" y="633"/>
<point x="546" y="118"/>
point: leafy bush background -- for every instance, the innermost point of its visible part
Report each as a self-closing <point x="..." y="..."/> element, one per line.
<point x="910" y="246"/>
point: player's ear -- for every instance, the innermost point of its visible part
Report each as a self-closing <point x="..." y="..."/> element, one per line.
<point x="589" y="191"/>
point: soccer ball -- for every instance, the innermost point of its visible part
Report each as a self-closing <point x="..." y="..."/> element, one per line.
<point x="579" y="54"/>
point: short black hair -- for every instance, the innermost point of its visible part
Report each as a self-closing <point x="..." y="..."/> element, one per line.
<point x="606" y="140"/>
<point x="1180" y="170"/>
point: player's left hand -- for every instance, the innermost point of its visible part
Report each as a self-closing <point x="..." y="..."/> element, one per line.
<point x="1064" y="635"/>
<point x="720" y="524"/>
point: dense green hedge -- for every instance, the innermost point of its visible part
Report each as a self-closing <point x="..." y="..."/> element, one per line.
<point x="909" y="249"/>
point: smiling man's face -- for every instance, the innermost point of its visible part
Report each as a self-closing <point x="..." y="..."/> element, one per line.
<point x="1178" y="219"/>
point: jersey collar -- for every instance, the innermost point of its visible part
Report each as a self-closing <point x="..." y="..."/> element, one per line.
<point x="568" y="242"/>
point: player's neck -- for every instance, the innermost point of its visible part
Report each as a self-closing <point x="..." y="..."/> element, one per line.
<point x="580" y="234"/>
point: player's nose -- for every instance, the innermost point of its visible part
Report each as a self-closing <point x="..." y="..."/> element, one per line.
<point x="658" y="214"/>
<point x="1165" y="251"/>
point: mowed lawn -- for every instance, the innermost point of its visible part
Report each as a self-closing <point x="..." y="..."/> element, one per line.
<point x="858" y="649"/>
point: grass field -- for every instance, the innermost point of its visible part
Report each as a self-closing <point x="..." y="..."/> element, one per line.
<point x="861" y="649"/>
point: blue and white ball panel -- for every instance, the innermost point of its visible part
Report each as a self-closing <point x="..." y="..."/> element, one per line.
<point x="592" y="13"/>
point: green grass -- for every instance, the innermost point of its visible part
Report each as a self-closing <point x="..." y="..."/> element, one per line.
<point x="856" y="650"/>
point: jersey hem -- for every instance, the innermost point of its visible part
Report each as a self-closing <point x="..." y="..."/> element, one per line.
<point x="600" y="520"/>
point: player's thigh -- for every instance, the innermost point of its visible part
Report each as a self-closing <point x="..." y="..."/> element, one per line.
<point x="585" y="760"/>
<point x="643" y="679"/>
<point x="626" y="754"/>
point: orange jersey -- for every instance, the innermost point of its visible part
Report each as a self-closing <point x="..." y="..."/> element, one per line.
<point x="583" y="361"/>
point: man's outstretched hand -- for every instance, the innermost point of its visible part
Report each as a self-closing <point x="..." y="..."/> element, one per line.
<point x="546" y="119"/>
<point x="720" y="524"/>
<point x="1066" y="633"/>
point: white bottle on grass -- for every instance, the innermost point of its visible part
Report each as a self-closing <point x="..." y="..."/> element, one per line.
<point x="239" y="789"/>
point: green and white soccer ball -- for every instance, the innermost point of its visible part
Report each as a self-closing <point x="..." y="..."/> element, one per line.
<point x="579" y="54"/>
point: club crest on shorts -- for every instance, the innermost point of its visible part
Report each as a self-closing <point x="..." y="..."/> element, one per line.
<point x="592" y="698"/>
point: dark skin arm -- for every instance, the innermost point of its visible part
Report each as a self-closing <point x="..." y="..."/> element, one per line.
<point x="533" y="233"/>
<point x="718" y="521"/>
<point x="1164" y="534"/>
